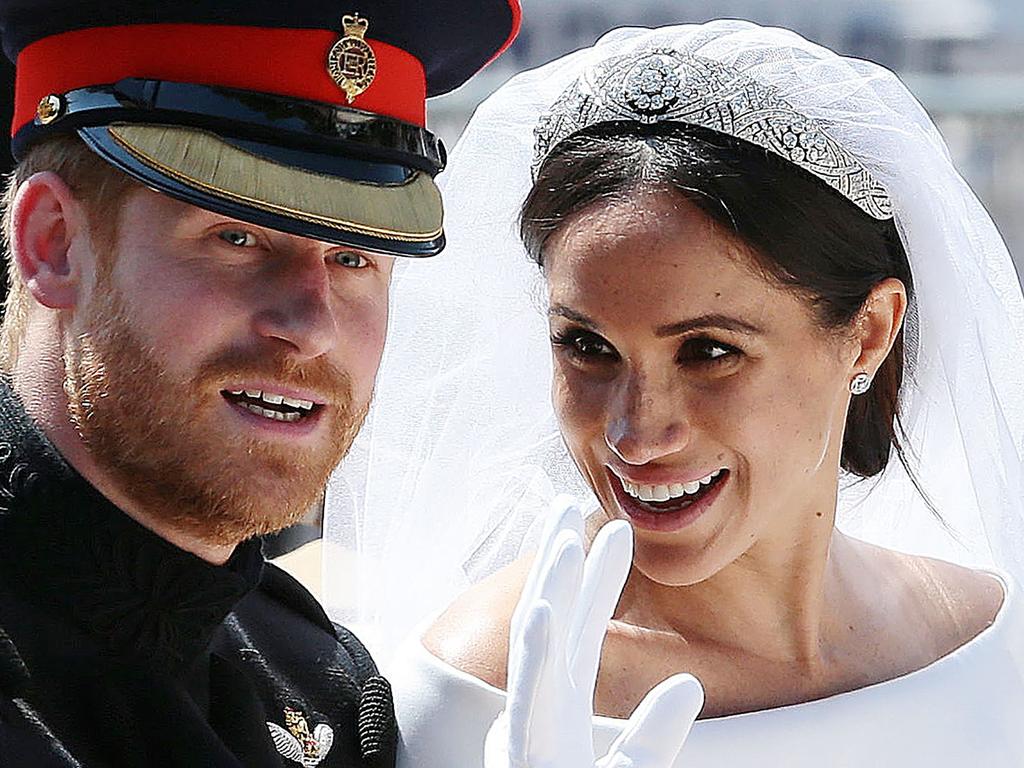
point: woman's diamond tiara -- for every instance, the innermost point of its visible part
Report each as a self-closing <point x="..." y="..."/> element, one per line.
<point x="662" y="85"/>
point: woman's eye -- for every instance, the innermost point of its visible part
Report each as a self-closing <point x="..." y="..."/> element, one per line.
<point x="583" y="344"/>
<point x="705" y="351"/>
<point x="351" y="259"/>
<point x="238" y="238"/>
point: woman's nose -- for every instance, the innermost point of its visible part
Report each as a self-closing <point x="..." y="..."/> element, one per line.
<point x="645" y="422"/>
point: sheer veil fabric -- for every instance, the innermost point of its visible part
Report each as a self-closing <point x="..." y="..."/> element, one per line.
<point x="461" y="453"/>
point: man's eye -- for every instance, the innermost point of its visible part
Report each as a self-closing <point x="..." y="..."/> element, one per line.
<point x="351" y="259"/>
<point x="238" y="238"/>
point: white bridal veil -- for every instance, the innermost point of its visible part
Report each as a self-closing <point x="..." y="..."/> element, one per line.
<point x="461" y="453"/>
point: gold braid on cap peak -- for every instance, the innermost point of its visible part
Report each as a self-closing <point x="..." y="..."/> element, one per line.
<point x="405" y="212"/>
<point x="661" y="85"/>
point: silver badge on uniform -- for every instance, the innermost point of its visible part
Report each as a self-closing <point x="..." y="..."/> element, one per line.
<point x="296" y="742"/>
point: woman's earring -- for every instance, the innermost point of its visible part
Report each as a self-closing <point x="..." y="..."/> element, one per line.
<point x="860" y="383"/>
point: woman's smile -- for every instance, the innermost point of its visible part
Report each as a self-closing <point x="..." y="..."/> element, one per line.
<point x="668" y="507"/>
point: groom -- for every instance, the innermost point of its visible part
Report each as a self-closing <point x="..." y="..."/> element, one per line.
<point x="201" y="229"/>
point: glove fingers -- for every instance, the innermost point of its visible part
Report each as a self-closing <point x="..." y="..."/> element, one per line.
<point x="563" y="515"/>
<point x="560" y="586"/>
<point x="526" y="671"/>
<point x="604" y="574"/>
<point x="567" y="510"/>
<point x="658" y="726"/>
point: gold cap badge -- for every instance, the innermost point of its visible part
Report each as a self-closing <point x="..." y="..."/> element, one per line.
<point x="351" y="62"/>
<point x="49" y="109"/>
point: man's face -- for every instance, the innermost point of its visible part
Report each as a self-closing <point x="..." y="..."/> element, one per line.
<point x="218" y="371"/>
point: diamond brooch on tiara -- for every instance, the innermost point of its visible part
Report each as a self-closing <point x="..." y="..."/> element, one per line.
<point x="663" y="85"/>
<point x="653" y="90"/>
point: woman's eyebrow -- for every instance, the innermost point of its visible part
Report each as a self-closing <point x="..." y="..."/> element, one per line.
<point x="560" y="310"/>
<point x="713" y="320"/>
<point x="724" y="322"/>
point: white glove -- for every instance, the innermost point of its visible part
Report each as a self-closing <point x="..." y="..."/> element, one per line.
<point x="554" y="650"/>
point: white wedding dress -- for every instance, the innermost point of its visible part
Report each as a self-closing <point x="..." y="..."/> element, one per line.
<point x="966" y="709"/>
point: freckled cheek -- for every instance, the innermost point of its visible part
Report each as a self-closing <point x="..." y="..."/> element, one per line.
<point x="362" y="329"/>
<point x="184" y="320"/>
<point x="781" y="429"/>
<point x="810" y="430"/>
<point x="581" y="407"/>
<point x="194" y="295"/>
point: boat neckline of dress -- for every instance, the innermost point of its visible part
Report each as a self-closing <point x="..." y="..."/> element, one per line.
<point x="942" y="662"/>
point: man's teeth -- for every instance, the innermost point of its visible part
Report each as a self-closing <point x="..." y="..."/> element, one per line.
<point x="667" y="492"/>
<point x="273" y="399"/>
<point x="276" y="415"/>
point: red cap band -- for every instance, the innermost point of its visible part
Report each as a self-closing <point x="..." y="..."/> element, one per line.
<point x="287" y="62"/>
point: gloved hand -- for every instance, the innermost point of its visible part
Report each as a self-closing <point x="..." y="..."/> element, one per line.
<point x="554" y="650"/>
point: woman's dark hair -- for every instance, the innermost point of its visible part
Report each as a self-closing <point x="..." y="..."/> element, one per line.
<point x="803" y="234"/>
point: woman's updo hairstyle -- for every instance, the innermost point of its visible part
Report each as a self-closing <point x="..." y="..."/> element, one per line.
<point x="804" y="234"/>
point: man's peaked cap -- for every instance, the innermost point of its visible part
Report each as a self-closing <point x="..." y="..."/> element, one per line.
<point x="306" y="116"/>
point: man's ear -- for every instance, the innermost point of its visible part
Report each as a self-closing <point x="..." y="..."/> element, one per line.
<point x="878" y="324"/>
<point x="47" y="223"/>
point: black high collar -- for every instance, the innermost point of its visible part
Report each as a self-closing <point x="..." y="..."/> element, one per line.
<point x="70" y="547"/>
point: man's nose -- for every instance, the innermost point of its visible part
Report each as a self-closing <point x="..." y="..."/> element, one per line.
<point x="299" y="311"/>
<point x="646" y="421"/>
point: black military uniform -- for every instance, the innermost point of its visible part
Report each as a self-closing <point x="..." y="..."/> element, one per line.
<point x="117" y="648"/>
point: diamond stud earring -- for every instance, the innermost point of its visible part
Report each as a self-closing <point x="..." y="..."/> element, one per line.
<point x="860" y="383"/>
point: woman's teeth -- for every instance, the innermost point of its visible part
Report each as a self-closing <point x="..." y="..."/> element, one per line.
<point x="667" y="492"/>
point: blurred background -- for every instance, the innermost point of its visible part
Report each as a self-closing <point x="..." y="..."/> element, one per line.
<point x="964" y="60"/>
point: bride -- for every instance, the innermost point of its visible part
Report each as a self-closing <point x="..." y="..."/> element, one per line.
<point x="785" y="344"/>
